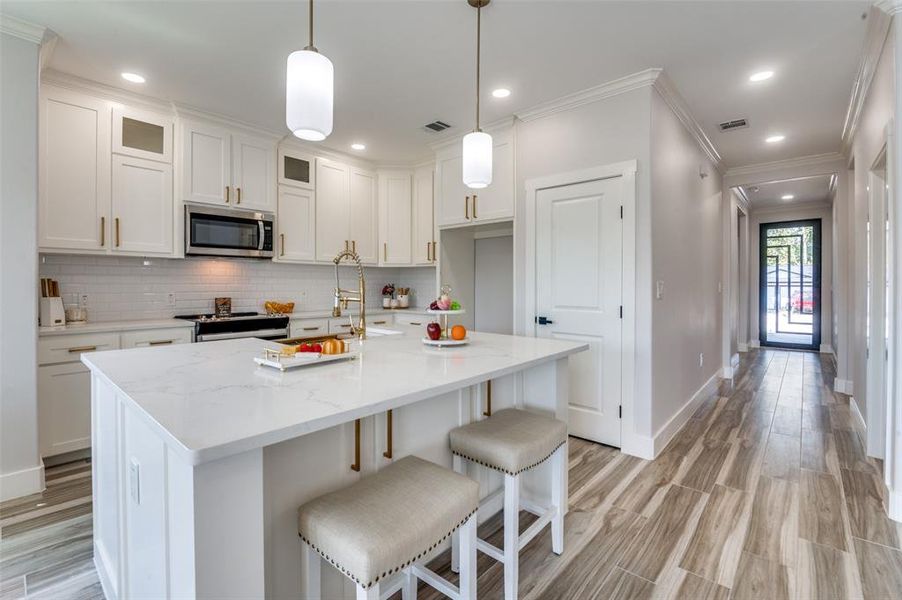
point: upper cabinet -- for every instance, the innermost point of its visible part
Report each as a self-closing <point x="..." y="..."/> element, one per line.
<point x="395" y="217"/>
<point x="423" y="231"/>
<point x="142" y="134"/>
<point x="296" y="169"/>
<point x="457" y="204"/>
<point x="142" y="209"/>
<point x="346" y="217"/>
<point x="363" y="227"/>
<point x="295" y="225"/>
<point x="226" y="168"/>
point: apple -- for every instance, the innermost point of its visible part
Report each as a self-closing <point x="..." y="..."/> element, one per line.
<point x="317" y="348"/>
<point x="434" y="331"/>
<point x="305" y="347"/>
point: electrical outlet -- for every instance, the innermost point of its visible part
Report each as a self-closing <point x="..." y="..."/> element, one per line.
<point x="84" y="300"/>
<point x="701" y="360"/>
<point x="659" y="289"/>
<point x="134" y="480"/>
<point x="171" y="299"/>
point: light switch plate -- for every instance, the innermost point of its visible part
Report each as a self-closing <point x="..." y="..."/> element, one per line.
<point x="659" y="289"/>
<point x="134" y="480"/>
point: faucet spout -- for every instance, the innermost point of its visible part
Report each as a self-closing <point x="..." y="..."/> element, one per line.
<point x="341" y="297"/>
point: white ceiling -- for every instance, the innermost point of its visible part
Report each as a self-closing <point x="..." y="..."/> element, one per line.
<point x="401" y="64"/>
<point x="804" y="190"/>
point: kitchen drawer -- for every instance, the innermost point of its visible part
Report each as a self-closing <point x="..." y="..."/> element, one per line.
<point x="302" y="328"/>
<point x="64" y="408"/>
<point x="342" y="324"/>
<point x="156" y="337"/>
<point x="69" y="348"/>
<point x="415" y="320"/>
<point x="380" y="320"/>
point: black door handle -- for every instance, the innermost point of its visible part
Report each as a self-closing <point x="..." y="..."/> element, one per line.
<point x="544" y="321"/>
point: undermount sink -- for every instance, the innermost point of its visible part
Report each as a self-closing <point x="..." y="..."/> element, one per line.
<point x="380" y="331"/>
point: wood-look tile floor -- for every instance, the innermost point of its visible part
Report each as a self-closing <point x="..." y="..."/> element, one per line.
<point x="766" y="493"/>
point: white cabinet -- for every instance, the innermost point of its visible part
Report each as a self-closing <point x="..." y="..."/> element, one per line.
<point x="459" y="205"/>
<point x="296" y="169"/>
<point x="142" y="134"/>
<point x="308" y="328"/>
<point x="74" y="171"/>
<point x="343" y="323"/>
<point x="223" y="167"/>
<point x="142" y="209"/>
<point x="64" y="408"/>
<point x="381" y="320"/>
<point x="149" y="338"/>
<point x="345" y="211"/>
<point x="424" y="246"/>
<point x="395" y="219"/>
<point x="296" y="225"/>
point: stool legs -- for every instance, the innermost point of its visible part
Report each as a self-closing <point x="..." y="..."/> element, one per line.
<point x="313" y="561"/>
<point x="409" y="587"/>
<point x="459" y="467"/>
<point x="467" y="566"/>
<point x="370" y="593"/>
<point x="557" y="499"/>
<point x="511" y="535"/>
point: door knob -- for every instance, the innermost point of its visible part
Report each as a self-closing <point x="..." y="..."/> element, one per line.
<point x="544" y="321"/>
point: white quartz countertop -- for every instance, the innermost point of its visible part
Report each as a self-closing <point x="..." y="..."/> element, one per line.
<point x="375" y="310"/>
<point x="108" y="326"/>
<point x="210" y="400"/>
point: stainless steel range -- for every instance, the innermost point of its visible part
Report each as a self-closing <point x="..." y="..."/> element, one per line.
<point x="209" y="327"/>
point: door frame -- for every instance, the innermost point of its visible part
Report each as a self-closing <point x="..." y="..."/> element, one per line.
<point x="627" y="170"/>
<point x="762" y="284"/>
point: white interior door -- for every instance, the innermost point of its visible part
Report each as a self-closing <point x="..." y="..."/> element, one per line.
<point x="579" y="234"/>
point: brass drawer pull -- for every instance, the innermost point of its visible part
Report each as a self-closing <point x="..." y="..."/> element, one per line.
<point x="117" y="232"/>
<point x="239" y="195"/>
<point x="159" y="342"/>
<point x="428" y="249"/>
<point x="488" y="399"/>
<point x="282" y="240"/>
<point x="385" y="251"/>
<point x="311" y="328"/>
<point x="354" y="246"/>
<point x="474" y="206"/>
<point x="379" y="322"/>
<point x="467" y="207"/>
<point x="415" y="323"/>
<point x="102" y="231"/>
<point x="227" y="194"/>
<point x="434" y="249"/>
<point x="346" y="325"/>
<point x="388" y="435"/>
<point x="82" y="349"/>
<point x="347" y="246"/>
<point x="356" y="465"/>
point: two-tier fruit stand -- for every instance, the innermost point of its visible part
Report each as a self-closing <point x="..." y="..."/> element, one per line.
<point x="445" y="340"/>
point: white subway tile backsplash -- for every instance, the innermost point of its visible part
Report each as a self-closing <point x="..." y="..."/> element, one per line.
<point x="127" y="288"/>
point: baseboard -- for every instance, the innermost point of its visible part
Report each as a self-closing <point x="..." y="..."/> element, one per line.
<point x="856" y="414"/>
<point x="843" y="386"/>
<point x="894" y="505"/>
<point x="743" y="347"/>
<point x="103" y="572"/>
<point x="21" y="483"/>
<point x="754" y="343"/>
<point x="826" y="349"/>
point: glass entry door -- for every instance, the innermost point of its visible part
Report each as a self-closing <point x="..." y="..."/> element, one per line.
<point x="790" y="284"/>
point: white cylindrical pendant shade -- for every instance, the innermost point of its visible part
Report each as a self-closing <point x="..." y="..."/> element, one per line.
<point x="477" y="160"/>
<point x="308" y="97"/>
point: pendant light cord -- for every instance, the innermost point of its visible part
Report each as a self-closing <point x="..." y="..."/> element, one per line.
<point x="478" y="51"/>
<point x="310" y="27"/>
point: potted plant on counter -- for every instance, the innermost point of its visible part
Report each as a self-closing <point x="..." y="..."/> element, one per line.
<point x="388" y="294"/>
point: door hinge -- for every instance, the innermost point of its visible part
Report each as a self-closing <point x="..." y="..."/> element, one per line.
<point x="621" y="311"/>
<point x="620" y="412"/>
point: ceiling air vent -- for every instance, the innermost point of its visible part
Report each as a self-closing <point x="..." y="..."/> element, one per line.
<point x="734" y="124"/>
<point x="437" y="126"/>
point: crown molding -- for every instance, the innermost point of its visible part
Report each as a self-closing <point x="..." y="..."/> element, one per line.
<point x="890" y="7"/>
<point x="668" y="92"/>
<point x="187" y="111"/>
<point x="23" y="30"/>
<point x="593" y="94"/>
<point x="879" y="19"/>
<point x="790" y="207"/>
<point x="789" y="163"/>
<point x="494" y="128"/>
<point x="105" y="92"/>
<point x="743" y="199"/>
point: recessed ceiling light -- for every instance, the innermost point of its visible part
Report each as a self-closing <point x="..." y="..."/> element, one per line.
<point x="774" y="139"/>
<point x="787" y="197"/>
<point x="133" y="77"/>
<point x="760" y="76"/>
<point x="358" y="146"/>
<point x="501" y="93"/>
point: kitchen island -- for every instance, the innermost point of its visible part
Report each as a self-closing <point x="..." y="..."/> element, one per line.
<point x="201" y="458"/>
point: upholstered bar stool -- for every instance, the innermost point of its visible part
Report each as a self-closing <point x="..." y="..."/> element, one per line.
<point x="380" y="530"/>
<point x="513" y="441"/>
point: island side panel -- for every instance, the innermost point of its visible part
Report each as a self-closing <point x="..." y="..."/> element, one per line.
<point x="105" y="471"/>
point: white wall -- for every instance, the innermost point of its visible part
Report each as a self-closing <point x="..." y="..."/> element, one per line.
<point x="825" y="214"/>
<point x="494" y="275"/>
<point x="20" y="466"/>
<point x="687" y="252"/>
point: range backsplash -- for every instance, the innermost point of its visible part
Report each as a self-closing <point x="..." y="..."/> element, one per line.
<point x="135" y="288"/>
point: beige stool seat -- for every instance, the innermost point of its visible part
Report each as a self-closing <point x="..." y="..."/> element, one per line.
<point x="388" y="520"/>
<point x="511" y="440"/>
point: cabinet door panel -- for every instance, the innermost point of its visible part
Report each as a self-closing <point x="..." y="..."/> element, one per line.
<point x="363" y="216"/>
<point x="331" y="209"/>
<point x="142" y="134"/>
<point x="142" y="206"/>
<point x="296" y="169"/>
<point x="453" y="194"/>
<point x="74" y="165"/>
<point x="497" y="200"/>
<point x="206" y="168"/>
<point x="424" y="223"/>
<point x="64" y="408"/>
<point x="395" y="217"/>
<point x="254" y="173"/>
<point x="296" y="221"/>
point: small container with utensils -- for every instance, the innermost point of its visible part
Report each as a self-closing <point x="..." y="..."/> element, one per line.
<point x="52" y="313"/>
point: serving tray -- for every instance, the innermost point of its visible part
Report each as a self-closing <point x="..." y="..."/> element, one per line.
<point x="446" y="342"/>
<point x="303" y="359"/>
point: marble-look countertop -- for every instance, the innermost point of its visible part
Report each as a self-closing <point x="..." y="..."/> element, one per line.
<point x="109" y="326"/>
<point x="210" y="400"/>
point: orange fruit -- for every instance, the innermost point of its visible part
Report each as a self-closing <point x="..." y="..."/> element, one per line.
<point x="458" y="332"/>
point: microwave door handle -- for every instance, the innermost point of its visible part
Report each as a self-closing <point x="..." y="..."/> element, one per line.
<point x="262" y="235"/>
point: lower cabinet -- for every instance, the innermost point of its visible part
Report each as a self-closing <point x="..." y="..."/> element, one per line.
<point x="64" y="408"/>
<point x="308" y="328"/>
<point x="156" y="337"/>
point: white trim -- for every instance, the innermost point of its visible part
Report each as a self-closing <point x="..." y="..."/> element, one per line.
<point x="826" y="349"/>
<point x="856" y="413"/>
<point x="664" y="86"/>
<point x="782" y="208"/>
<point x="890" y="7"/>
<point x="790" y="163"/>
<point x="593" y="94"/>
<point x="879" y="18"/>
<point x="754" y="343"/>
<point x="743" y="347"/>
<point x="627" y="170"/>
<point x="30" y="32"/>
<point x="894" y="505"/>
<point x="492" y="128"/>
<point x="842" y="386"/>
<point x="105" y="92"/>
<point x="22" y="483"/>
<point x="101" y="563"/>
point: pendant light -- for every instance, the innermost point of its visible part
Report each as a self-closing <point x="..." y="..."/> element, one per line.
<point x="309" y="91"/>
<point x="477" y="150"/>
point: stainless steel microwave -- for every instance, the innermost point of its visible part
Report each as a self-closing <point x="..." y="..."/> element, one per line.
<point x="211" y="231"/>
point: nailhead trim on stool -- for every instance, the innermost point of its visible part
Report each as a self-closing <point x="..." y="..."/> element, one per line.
<point x="497" y="468"/>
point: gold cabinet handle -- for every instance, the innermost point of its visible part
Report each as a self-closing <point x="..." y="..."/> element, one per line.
<point x="346" y="246"/>
<point x="385" y="251"/>
<point x="310" y="328"/>
<point x="488" y="399"/>
<point x="227" y="194"/>
<point x="388" y="435"/>
<point x="467" y="207"/>
<point x="159" y="343"/>
<point x="102" y="231"/>
<point x="282" y="243"/>
<point x="346" y="325"/>
<point x="238" y="190"/>
<point x="354" y="246"/>
<point x="434" y="250"/>
<point x="82" y="349"/>
<point x="474" y="206"/>
<point x="415" y="323"/>
<point x="379" y="322"/>
<point x="428" y="248"/>
<point x="356" y="465"/>
<point x="117" y="232"/>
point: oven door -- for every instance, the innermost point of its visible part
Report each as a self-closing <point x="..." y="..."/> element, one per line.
<point x="263" y="334"/>
<point x="219" y="232"/>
